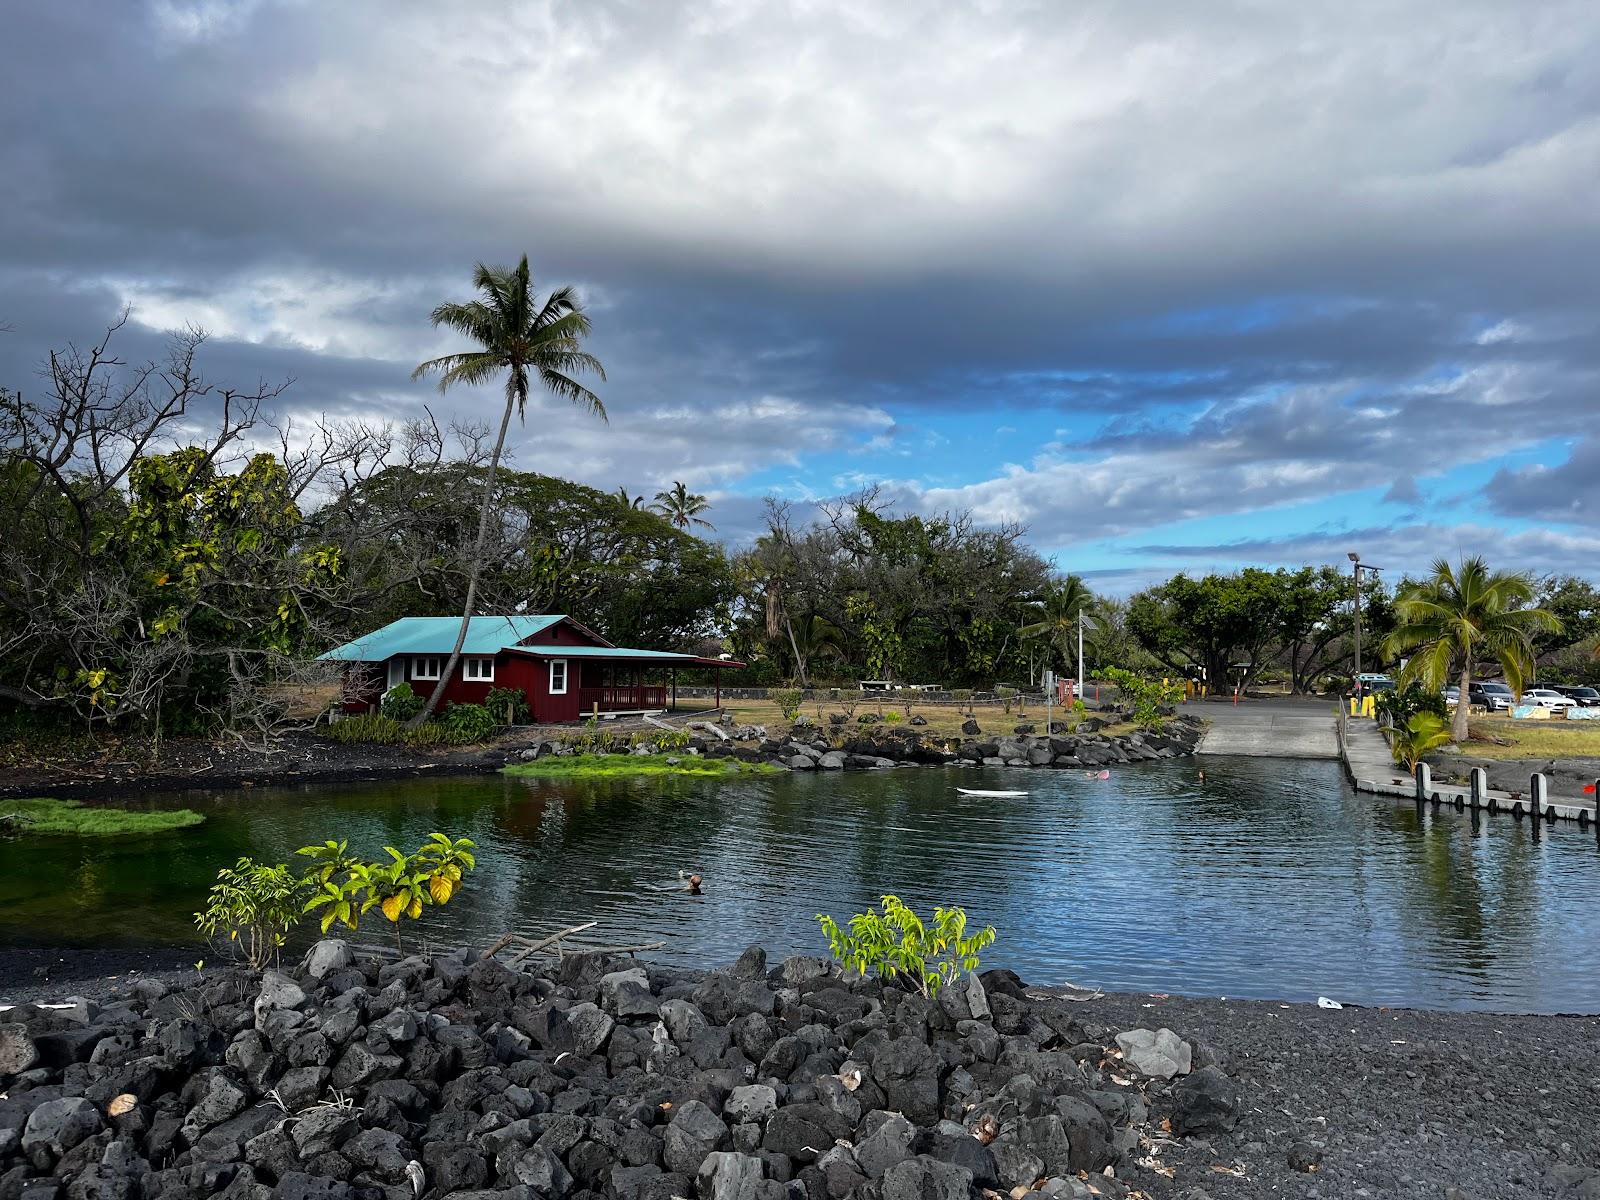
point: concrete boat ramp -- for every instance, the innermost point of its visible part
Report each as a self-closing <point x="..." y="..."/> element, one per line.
<point x="1304" y="728"/>
<point x="1286" y="728"/>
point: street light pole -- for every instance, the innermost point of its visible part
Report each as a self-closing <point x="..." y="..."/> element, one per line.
<point x="1355" y="574"/>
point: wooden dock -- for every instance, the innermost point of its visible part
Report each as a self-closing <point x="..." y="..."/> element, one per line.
<point x="1372" y="769"/>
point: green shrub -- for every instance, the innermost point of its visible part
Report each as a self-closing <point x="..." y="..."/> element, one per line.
<point x="425" y="736"/>
<point x="466" y="724"/>
<point x="254" y="906"/>
<point x="499" y="699"/>
<point x="368" y="727"/>
<point x="897" y="942"/>
<point x="1423" y="732"/>
<point x="668" y="739"/>
<point x="788" y="701"/>
<point x="400" y="703"/>
<point x="1144" y="696"/>
<point x="1396" y="708"/>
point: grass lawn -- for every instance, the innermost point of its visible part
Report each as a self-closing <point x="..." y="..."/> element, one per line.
<point x="71" y="818"/>
<point x="620" y="766"/>
<point x="944" y="720"/>
<point x="1534" y="739"/>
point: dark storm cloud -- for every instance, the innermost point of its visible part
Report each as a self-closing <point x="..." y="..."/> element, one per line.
<point x="1266" y="252"/>
<point x="1566" y="492"/>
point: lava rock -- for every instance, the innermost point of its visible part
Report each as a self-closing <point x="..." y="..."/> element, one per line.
<point x="1205" y="1102"/>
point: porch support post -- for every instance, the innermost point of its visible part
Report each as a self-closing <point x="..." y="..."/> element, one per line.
<point x="673" y="672"/>
<point x="719" y="689"/>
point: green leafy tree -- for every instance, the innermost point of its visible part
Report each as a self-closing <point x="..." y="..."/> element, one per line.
<point x="682" y="507"/>
<point x="1461" y="615"/>
<point x="522" y="339"/>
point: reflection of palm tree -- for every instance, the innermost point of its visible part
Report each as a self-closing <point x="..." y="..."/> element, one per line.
<point x="1461" y="614"/>
<point x="682" y="507"/>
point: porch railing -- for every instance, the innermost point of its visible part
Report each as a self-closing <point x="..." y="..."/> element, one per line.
<point x="622" y="697"/>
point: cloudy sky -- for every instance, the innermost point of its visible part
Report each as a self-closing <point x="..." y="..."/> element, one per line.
<point x="1176" y="285"/>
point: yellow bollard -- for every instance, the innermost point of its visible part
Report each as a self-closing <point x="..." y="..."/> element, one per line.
<point x="1353" y="712"/>
<point x="1369" y="706"/>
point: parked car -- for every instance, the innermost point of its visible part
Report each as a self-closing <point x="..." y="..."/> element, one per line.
<point x="1496" y="697"/>
<point x="1549" y="698"/>
<point x="1588" y="697"/>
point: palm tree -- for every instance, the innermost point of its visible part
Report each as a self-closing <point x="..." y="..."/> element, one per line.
<point x="1058" y="610"/>
<point x="1461" y="614"/>
<point x="627" y="501"/>
<point x="682" y="507"/>
<point x="521" y="337"/>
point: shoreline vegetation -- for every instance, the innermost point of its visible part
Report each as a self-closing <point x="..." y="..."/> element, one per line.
<point x="619" y="766"/>
<point x="41" y="816"/>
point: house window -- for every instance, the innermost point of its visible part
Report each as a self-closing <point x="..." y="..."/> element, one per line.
<point x="558" y="677"/>
<point x="478" y="670"/>
<point x="425" y="668"/>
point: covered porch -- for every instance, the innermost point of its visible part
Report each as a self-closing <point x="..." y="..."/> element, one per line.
<point x="623" y="687"/>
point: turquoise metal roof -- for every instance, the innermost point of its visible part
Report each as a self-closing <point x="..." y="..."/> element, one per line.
<point x="603" y="652"/>
<point x="437" y="635"/>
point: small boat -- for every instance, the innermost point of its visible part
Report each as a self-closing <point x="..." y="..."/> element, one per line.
<point x="991" y="795"/>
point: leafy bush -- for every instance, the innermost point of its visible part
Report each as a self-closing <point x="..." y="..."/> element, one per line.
<point x="499" y="699"/>
<point x="1144" y="696"/>
<point x="963" y="698"/>
<point x="892" y="717"/>
<point x="254" y="905"/>
<point x="368" y="727"/>
<point x="897" y="942"/>
<point x="1396" y="708"/>
<point x="669" y="739"/>
<point x="402" y="886"/>
<point x="400" y="703"/>
<point x="1007" y="695"/>
<point x="466" y="724"/>
<point x="1424" y="732"/>
<point x="788" y="701"/>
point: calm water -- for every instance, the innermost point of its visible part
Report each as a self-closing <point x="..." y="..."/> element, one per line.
<point x="1272" y="879"/>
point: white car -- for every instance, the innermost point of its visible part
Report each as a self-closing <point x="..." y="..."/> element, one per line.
<point x="1545" y="698"/>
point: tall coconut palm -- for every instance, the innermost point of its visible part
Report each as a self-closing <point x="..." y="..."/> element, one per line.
<point x="1058" y="610"/>
<point x="524" y="339"/>
<point x="621" y="496"/>
<point x="682" y="507"/>
<point x="1460" y="615"/>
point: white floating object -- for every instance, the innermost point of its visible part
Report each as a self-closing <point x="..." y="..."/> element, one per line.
<point x="997" y="795"/>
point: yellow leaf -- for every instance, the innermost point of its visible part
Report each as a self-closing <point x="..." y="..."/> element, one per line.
<point x="415" y="910"/>
<point x="441" y="889"/>
<point x="392" y="906"/>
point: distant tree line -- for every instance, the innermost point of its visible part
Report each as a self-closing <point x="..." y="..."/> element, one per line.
<point x="174" y="560"/>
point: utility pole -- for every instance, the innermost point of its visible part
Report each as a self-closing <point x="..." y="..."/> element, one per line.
<point x="1080" y="651"/>
<point x="1355" y="596"/>
<point x="1356" y="567"/>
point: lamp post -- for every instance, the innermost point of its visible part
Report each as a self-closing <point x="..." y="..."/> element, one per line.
<point x="1356" y="567"/>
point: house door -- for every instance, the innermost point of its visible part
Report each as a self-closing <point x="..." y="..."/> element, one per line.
<point x="397" y="671"/>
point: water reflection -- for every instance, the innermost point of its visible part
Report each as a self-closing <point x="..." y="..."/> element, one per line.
<point x="1270" y="879"/>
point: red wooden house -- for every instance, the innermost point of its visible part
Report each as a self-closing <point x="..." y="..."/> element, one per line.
<point x="566" y="671"/>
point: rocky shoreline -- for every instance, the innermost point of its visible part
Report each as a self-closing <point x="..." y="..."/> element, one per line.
<point x="807" y="747"/>
<point x="609" y="1079"/>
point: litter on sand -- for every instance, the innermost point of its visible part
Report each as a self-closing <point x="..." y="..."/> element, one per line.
<point x="1324" y="1002"/>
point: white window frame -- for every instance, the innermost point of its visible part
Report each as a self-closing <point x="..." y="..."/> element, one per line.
<point x="419" y="667"/>
<point x="562" y="663"/>
<point x="477" y="670"/>
<point x="397" y="673"/>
